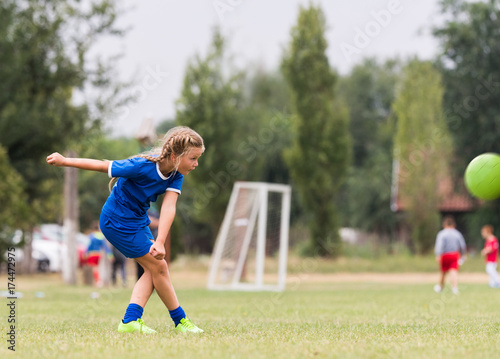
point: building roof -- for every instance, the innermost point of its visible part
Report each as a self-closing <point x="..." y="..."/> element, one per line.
<point x="453" y="194"/>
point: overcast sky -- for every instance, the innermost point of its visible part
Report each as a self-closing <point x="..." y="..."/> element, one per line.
<point x="165" y="34"/>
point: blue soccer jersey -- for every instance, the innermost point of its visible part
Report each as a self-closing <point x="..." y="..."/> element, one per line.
<point x="140" y="182"/>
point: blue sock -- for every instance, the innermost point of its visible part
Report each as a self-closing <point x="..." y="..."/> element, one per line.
<point x="134" y="312"/>
<point x="177" y="315"/>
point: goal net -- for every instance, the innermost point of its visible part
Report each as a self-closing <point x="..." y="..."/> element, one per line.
<point x="251" y="249"/>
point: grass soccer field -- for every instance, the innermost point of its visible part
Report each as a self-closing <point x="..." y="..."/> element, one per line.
<point x="333" y="316"/>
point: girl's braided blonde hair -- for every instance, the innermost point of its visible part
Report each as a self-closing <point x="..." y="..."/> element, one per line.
<point x="177" y="141"/>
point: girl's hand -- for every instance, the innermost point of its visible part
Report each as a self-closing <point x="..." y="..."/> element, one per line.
<point x="56" y="159"/>
<point x="157" y="250"/>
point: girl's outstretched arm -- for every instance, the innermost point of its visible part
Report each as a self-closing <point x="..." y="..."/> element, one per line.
<point x="56" y="159"/>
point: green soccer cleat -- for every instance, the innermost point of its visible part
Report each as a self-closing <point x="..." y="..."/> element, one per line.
<point x="187" y="326"/>
<point x="135" y="326"/>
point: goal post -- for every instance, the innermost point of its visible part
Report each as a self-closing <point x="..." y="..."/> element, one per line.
<point x="251" y="248"/>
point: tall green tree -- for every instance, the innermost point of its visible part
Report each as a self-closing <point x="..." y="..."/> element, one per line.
<point x="43" y="62"/>
<point x="320" y="153"/>
<point x="470" y="63"/>
<point x="267" y="109"/>
<point x="211" y="103"/>
<point x="422" y="148"/>
<point x="369" y="90"/>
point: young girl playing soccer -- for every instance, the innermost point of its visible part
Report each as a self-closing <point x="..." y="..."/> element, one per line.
<point x="124" y="220"/>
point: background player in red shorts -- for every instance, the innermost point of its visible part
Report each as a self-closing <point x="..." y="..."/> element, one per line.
<point x="490" y="252"/>
<point x="450" y="246"/>
<point x="94" y="252"/>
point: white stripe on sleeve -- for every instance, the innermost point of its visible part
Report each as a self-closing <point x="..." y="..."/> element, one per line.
<point x="109" y="169"/>
<point x="173" y="190"/>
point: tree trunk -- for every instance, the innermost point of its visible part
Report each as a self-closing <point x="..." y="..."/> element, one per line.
<point x="70" y="256"/>
<point x="27" y="264"/>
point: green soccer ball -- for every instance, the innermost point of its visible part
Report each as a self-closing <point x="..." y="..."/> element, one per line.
<point x="482" y="176"/>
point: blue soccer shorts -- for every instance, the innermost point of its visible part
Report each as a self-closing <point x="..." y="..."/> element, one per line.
<point x="132" y="243"/>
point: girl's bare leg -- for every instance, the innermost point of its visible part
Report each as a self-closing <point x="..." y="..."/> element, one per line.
<point x="160" y="276"/>
<point x="143" y="289"/>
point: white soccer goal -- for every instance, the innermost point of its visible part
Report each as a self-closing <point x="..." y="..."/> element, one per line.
<point x="251" y="249"/>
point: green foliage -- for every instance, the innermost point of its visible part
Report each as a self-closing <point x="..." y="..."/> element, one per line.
<point x="470" y="64"/>
<point x="423" y="149"/>
<point x="369" y="92"/>
<point x="320" y="153"/>
<point x="12" y="197"/>
<point x="211" y="104"/>
<point x="367" y="201"/>
<point x="268" y="115"/>
<point x="13" y="209"/>
<point x="164" y="126"/>
<point x="43" y="47"/>
<point x="267" y="109"/>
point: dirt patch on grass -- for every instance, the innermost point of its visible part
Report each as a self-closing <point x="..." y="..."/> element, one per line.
<point x="183" y="279"/>
<point x="403" y="278"/>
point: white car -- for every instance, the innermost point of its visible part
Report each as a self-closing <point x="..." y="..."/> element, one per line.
<point x="49" y="247"/>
